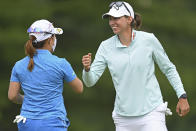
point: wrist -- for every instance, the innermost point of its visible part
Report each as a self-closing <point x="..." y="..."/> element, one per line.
<point x="183" y="96"/>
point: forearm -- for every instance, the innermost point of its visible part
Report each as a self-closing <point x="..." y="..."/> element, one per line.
<point x="89" y="78"/>
<point x="167" y="67"/>
<point x="175" y="81"/>
<point x="76" y="85"/>
<point x="18" y="99"/>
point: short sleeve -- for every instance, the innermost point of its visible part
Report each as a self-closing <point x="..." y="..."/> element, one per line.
<point x="68" y="71"/>
<point x="14" y="76"/>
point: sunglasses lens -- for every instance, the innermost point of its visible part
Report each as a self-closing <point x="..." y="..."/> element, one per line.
<point x="119" y="3"/>
<point x="35" y="30"/>
<point x="110" y="6"/>
<point x="29" y="30"/>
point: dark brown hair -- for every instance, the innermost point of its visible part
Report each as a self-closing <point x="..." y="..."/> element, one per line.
<point x="30" y="50"/>
<point x="137" y="22"/>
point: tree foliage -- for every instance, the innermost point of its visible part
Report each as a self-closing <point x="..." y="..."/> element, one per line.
<point x="172" y="21"/>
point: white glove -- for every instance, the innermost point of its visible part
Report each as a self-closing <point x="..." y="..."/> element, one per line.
<point x="19" y="118"/>
<point x="167" y="111"/>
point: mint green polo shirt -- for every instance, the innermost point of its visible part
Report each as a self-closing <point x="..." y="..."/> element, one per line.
<point x="133" y="72"/>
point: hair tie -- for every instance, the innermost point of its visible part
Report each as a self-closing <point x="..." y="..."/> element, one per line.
<point x="34" y="43"/>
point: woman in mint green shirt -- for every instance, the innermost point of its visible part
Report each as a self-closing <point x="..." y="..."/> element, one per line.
<point x="130" y="56"/>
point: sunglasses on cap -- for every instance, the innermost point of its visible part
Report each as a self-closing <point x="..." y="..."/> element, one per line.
<point x="118" y="4"/>
<point x="37" y="30"/>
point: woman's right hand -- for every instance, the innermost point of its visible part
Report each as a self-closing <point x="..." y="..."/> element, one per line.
<point x="86" y="61"/>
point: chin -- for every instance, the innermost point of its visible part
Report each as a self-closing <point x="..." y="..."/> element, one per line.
<point x="116" y="32"/>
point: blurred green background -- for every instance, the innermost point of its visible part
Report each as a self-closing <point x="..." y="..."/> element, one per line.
<point x="172" y="21"/>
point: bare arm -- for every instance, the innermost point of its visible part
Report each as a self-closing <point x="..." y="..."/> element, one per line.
<point x="76" y="85"/>
<point x="14" y="93"/>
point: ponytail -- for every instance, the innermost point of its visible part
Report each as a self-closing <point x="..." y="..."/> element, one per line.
<point x="137" y="22"/>
<point x="30" y="51"/>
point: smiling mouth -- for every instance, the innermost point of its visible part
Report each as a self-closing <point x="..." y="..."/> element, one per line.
<point x="114" y="28"/>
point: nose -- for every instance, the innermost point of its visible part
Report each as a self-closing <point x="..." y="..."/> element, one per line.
<point x="111" y="21"/>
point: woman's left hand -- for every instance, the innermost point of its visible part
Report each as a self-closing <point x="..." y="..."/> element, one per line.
<point x="182" y="107"/>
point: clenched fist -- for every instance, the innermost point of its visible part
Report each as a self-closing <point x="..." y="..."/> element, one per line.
<point x="86" y="61"/>
<point x="182" y="107"/>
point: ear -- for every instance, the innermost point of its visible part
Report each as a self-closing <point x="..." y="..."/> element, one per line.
<point x="50" y="40"/>
<point x="129" y="19"/>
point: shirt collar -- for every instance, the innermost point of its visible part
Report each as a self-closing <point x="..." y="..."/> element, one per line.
<point x="43" y="51"/>
<point x="119" y="44"/>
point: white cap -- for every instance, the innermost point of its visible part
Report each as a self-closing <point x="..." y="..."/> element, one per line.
<point x="116" y="11"/>
<point x="43" y="29"/>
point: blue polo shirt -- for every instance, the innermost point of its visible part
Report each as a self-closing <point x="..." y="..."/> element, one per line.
<point x="43" y="87"/>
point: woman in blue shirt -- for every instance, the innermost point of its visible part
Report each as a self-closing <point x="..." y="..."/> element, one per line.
<point x="41" y="76"/>
<point x="130" y="56"/>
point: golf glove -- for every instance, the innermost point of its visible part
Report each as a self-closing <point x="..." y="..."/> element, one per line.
<point x="19" y="118"/>
<point x="167" y="111"/>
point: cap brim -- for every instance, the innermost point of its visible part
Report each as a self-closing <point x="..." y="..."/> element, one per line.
<point x="58" y="31"/>
<point x="106" y="15"/>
